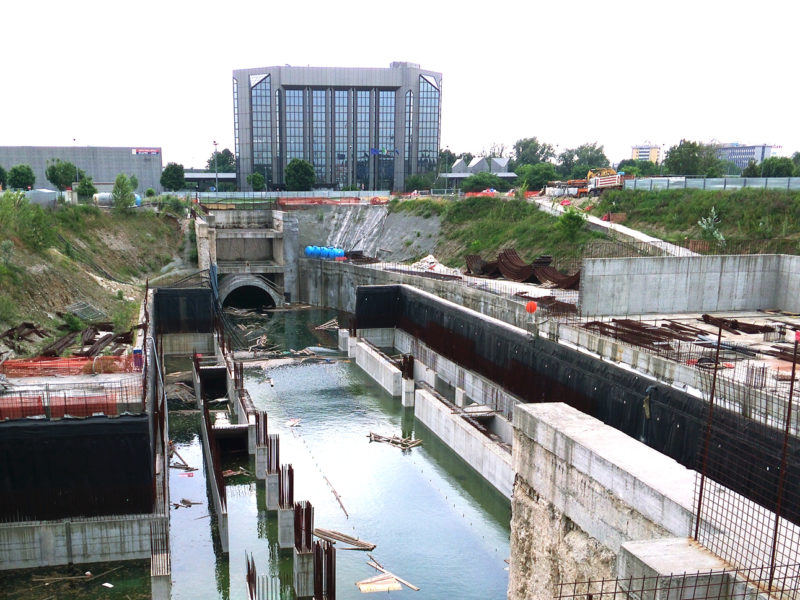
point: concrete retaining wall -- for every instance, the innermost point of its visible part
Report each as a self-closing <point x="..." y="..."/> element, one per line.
<point x="789" y="286"/>
<point x="583" y="489"/>
<point x="620" y="286"/>
<point x="482" y="454"/>
<point x="377" y="367"/>
<point x="100" y="539"/>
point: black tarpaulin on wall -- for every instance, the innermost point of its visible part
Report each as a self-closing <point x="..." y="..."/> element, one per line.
<point x="70" y="468"/>
<point x="183" y="310"/>
<point x="539" y="370"/>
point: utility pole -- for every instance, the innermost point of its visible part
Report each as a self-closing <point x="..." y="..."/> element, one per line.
<point x="216" y="175"/>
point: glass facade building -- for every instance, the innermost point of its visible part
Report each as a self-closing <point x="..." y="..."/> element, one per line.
<point x="365" y="128"/>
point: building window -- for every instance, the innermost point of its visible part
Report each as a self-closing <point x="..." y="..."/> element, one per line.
<point x="260" y="99"/>
<point x="428" y="130"/>
<point x="409" y="132"/>
<point x="362" y="137"/>
<point x="342" y="145"/>
<point x="386" y="147"/>
<point x="294" y="125"/>
<point x="319" y="133"/>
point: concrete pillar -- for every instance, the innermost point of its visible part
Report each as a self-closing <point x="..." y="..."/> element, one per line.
<point x="261" y="462"/>
<point x="352" y="344"/>
<point x="303" y="574"/>
<point x="286" y="528"/>
<point x="160" y="587"/>
<point x="251" y="434"/>
<point x="272" y="491"/>
<point x="198" y="390"/>
<point x="344" y="337"/>
<point x="407" y="393"/>
<point x="461" y="397"/>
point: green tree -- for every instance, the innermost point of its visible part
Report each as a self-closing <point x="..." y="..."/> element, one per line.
<point x="588" y="156"/>
<point x="85" y="188"/>
<point x="777" y="166"/>
<point x="3" y="178"/>
<point x="257" y="182"/>
<point x="446" y="160"/>
<point x="693" y="158"/>
<point x="21" y="177"/>
<point x="730" y="168"/>
<point x="61" y="173"/>
<point x="134" y="182"/>
<point x="122" y="198"/>
<point x="639" y="168"/>
<point x="484" y="181"/>
<point x="419" y="182"/>
<point x="299" y="175"/>
<point x="796" y="161"/>
<point x="535" y="177"/>
<point x="172" y="178"/>
<point x="530" y="151"/>
<point x="751" y="170"/>
<point x="226" y="162"/>
<point x="150" y="193"/>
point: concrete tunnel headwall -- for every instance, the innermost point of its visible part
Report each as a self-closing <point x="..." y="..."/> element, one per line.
<point x="535" y="369"/>
<point x="229" y="284"/>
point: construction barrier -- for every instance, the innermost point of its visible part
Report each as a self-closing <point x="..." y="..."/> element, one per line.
<point x="45" y="367"/>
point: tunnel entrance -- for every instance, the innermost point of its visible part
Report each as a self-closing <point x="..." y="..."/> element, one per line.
<point x="250" y="297"/>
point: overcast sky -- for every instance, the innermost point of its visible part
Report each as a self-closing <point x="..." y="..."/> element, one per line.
<point x="618" y="73"/>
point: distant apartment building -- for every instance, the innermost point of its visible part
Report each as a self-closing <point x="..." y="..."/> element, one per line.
<point x="358" y="126"/>
<point x="742" y="154"/>
<point x="646" y="151"/>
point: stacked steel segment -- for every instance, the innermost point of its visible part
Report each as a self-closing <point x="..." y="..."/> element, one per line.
<point x="324" y="571"/>
<point x="286" y="507"/>
<point x="510" y="265"/>
<point x="273" y="470"/>
<point x="303" y="549"/>
<point x="480" y="268"/>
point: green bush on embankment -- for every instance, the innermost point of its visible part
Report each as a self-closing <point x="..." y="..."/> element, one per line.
<point x="484" y="225"/>
<point x="746" y="214"/>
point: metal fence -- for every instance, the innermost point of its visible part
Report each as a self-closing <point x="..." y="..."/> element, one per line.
<point x="233" y="196"/>
<point x="725" y="584"/>
<point x="81" y="399"/>
<point x="712" y="183"/>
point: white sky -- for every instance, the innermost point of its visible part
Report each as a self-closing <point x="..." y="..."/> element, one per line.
<point x="148" y="73"/>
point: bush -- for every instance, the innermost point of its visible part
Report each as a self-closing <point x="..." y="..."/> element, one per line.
<point x="73" y="323"/>
<point x="150" y="193"/>
<point x="8" y="309"/>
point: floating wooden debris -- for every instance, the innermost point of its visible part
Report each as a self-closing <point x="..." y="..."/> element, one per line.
<point x="379" y="567"/>
<point x="402" y="443"/>
<point x="379" y="583"/>
<point x="335" y="536"/>
<point x="336" y="494"/>
<point x="332" y="324"/>
<point x="234" y="472"/>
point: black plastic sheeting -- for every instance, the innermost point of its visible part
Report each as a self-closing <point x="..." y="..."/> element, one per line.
<point x="75" y="468"/>
<point x="539" y="370"/>
<point x="183" y="310"/>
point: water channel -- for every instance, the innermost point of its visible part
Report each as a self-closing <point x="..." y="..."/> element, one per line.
<point x="436" y="523"/>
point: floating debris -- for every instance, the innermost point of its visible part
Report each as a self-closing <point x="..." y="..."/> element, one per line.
<point x="402" y="443"/>
<point x="336" y="536"/>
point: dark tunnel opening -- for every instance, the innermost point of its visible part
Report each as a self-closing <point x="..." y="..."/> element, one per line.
<point x="249" y="296"/>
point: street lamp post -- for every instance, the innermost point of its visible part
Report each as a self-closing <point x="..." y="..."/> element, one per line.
<point x="216" y="175"/>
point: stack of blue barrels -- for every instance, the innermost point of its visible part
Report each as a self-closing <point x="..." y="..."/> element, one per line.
<point x="324" y="252"/>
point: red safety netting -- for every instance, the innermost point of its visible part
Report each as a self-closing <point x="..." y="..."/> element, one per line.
<point x="43" y="367"/>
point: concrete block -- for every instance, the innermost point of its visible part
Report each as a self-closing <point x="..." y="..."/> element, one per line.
<point x="261" y="462"/>
<point x="160" y="587"/>
<point x="344" y="336"/>
<point x="407" y="396"/>
<point x="272" y="491"/>
<point x="303" y="574"/>
<point x="285" y="528"/>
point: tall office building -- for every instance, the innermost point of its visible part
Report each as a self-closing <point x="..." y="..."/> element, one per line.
<point x="742" y="154"/>
<point x="358" y="127"/>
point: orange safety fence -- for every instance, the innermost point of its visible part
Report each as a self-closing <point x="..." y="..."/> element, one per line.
<point x="43" y="367"/>
<point x="19" y="407"/>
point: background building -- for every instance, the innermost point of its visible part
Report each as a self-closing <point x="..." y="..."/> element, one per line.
<point x="480" y="164"/>
<point x="646" y="151"/>
<point x="741" y="154"/>
<point x="358" y="127"/>
<point x="102" y="164"/>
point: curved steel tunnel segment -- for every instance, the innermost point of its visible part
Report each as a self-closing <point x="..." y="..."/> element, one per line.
<point x="246" y="291"/>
